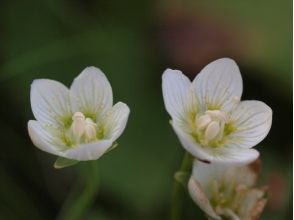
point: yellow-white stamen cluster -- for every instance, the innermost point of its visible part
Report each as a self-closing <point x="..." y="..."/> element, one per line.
<point x="82" y="126"/>
<point x="211" y="125"/>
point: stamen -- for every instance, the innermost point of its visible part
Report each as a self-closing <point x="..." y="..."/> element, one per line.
<point x="210" y="126"/>
<point x="217" y="115"/>
<point x="78" y="125"/>
<point x="212" y="130"/>
<point x="82" y="126"/>
<point x="90" y="129"/>
<point x="203" y="121"/>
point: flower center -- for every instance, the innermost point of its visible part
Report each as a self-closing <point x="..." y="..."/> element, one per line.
<point x="83" y="127"/>
<point x="227" y="198"/>
<point x="210" y="126"/>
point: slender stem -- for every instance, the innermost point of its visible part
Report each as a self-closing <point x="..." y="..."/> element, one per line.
<point x="78" y="204"/>
<point x="178" y="190"/>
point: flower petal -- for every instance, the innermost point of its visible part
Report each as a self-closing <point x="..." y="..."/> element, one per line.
<point x="115" y="121"/>
<point x="253" y="204"/>
<point x="223" y="154"/>
<point x="252" y="120"/>
<point x="177" y="94"/>
<point x="188" y="142"/>
<point x="235" y="155"/>
<point x="92" y="93"/>
<point x="50" y="101"/>
<point x="45" y="138"/>
<point x="218" y="85"/>
<point x="90" y="151"/>
<point x="200" y="198"/>
<point x="204" y="173"/>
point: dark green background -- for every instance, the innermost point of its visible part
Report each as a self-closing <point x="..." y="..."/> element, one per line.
<point x="133" y="42"/>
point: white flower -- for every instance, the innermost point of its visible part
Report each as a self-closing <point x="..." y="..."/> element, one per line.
<point x="224" y="191"/>
<point x="79" y="123"/>
<point x="208" y="117"/>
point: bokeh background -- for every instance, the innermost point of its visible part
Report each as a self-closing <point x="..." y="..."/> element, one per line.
<point x="133" y="42"/>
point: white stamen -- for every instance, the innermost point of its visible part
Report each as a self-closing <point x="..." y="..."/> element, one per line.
<point x="90" y="129"/>
<point x="203" y="121"/>
<point x="78" y="125"/>
<point x="212" y="130"/>
<point x="83" y="126"/>
<point x="217" y="114"/>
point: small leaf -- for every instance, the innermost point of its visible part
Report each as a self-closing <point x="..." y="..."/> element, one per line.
<point x="62" y="162"/>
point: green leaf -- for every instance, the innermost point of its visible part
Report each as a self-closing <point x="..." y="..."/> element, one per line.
<point x="62" y="162"/>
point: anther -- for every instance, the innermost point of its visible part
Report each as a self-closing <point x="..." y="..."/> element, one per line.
<point x="78" y="125"/>
<point x="90" y="129"/>
<point x="203" y="121"/>
<point x="212" y="130"/>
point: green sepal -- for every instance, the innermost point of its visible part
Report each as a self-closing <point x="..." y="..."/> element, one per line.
<point x="182" y="177"/>
<point x="62" y="162"/>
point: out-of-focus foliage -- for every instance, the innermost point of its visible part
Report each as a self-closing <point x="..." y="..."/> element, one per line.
<point x="133" y="42"/>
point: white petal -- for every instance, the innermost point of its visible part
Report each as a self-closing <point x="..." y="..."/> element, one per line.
<point x="50" y="101"/>
<point x="92" y="93"/>
<point x="253" y="204"/>
<point x="205" y="173"/>
<point x="115" y="121"/>
<point x="90" y="151"/>
<point x="177" y="94"/>
<point x="45" y="138"/>
<point x="200" y="198"/>
<point x="235" y="155"/>
<point x="253" y="120"/>
<point x="218" y="85"/>
<point x="189" y="143"/>
<point x="222" y="154"/>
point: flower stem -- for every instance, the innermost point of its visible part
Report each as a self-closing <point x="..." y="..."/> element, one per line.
<point x="178" y="190"/>
<point x="77" y="203"/>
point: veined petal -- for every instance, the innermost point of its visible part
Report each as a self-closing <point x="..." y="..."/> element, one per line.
<point x="205" y="173"/>
<point x="218" y="85"/>
<point x="189" y="143"/>
<point x="115" y="120"/>
<point x="252" y="120"/>
<point x="89" y="151"/>
<point x="177" y="94"/>
<point x="200" y="198"/>
<point x="222" y="154"/>
<point x="50" y="101"/>
<point x="45" y="138"/>
<point x="92" y="93"/>
<point x="235" y="155"/>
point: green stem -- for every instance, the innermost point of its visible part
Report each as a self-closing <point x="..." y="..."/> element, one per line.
<point x="78" y="204"/>
<point x="178" y="190"/>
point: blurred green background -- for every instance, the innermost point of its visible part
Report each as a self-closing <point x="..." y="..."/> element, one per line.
<point x="133" y="42"/>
